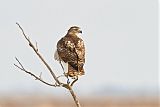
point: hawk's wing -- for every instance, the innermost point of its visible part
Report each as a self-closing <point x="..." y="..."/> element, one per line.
<point x="72" y="51"/>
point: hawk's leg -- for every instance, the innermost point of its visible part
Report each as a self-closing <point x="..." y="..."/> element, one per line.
<point x="61" y="65"/>
<point x="66" y="75"/>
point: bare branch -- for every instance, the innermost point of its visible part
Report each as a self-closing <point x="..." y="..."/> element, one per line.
<point x="58" y="83"/>
<point x="19" y="62"/>
<point x="40" y="76"/>
<point x="67" y="86"/>
<point x="74" y="97"/>
<point x="39" y="55"/>
<point x="23" y="32"/>
<point x="28" y="72"/>
<point x="36" y="46"/>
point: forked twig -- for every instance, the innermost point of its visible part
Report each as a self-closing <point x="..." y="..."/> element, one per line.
<point x="28" y="72"/>
<point x="39" y="55"/>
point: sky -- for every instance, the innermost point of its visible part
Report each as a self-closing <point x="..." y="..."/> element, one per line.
<point x="121" y="39"/>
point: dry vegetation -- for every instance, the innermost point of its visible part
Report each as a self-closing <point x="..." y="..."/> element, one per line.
<point x="42" y="101"/>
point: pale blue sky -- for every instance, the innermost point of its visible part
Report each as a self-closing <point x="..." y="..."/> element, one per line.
<point x="121" y="38"/>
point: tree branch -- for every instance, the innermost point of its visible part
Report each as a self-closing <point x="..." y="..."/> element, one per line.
<point x="28" y="72"/>
<point x="69" y="87"/>
<point x="38" y="54"/>
<point x="58" y="83"/>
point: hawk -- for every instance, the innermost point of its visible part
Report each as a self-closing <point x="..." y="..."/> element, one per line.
<point x="71" y="51"/>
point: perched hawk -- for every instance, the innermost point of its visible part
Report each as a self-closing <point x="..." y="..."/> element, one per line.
<point x="71" y="51"/>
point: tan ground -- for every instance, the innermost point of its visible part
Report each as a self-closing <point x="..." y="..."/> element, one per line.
<point x="31" y="101"/>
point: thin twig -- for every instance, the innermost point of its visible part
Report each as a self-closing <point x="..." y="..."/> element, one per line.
<point x="40" y="76"/>
<point x="19" y="62"/>
<point x="42" y="59"/>
<point x="36" y="46"/>
<point x="28" y="72"/>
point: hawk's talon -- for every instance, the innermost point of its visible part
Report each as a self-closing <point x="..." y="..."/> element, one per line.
<point x="68" y="82"/>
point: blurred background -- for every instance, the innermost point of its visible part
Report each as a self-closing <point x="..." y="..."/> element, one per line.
<point x="121" y="38"/>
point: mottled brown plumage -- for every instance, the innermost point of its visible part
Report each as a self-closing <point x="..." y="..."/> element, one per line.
<point x="71" y="50"/>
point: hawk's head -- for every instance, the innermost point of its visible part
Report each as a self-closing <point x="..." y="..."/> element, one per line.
<point x="74" y="30"/>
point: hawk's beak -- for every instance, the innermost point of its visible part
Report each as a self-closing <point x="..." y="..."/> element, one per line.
<point x="80" y="31"/>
